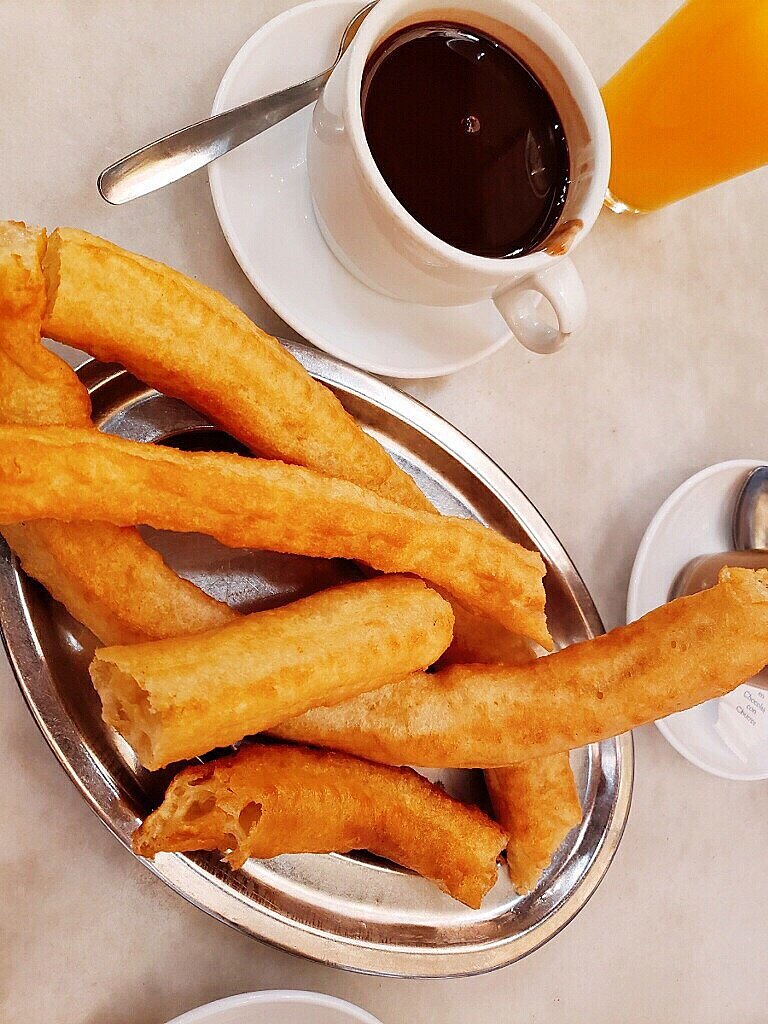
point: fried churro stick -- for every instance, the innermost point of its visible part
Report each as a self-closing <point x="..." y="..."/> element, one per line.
<point x="36" y="387"/>
<point x="190" y="342"/>
<point x="479" y="640"/>
<point x="179" y="698"/>
<point x="676" y="656"/>
<point x="105" y="576"/>
<point x="536" y="802"/>
<point x="111" y="581"/>
<point x="243" y="502"/>
<point x="267" y="800"/>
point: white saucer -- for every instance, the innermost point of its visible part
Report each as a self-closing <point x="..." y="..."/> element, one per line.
<point x="694" y="520"/>
<point x="279" y="1006"/>
<point x="262" y="200"/>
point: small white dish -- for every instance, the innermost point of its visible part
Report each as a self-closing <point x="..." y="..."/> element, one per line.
<point x="694" y="520"/>
<point x="279" y="1006"/>
<point x="262" y="199"/>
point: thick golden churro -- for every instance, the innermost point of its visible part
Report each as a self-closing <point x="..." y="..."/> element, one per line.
<point x="243" y="502"/>
<point x="36" y="387"/>
<point x="106" y="577"/>
<point x="111" y="581"/>
<point x="479" y="640"/>
<point x="190" y="342"/>
<point x="536" y="802"/>
<point x="676" y="656"/>
<point x="267" y="800"/>
<point x="179" y="698"/>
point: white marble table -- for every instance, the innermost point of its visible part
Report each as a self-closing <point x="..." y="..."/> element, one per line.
<point x="669" y="377"/>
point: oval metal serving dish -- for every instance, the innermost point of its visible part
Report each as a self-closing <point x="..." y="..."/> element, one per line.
<point x="349" y="911"/>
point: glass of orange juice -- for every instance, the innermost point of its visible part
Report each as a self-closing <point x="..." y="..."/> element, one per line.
<point x="690" y="109"/>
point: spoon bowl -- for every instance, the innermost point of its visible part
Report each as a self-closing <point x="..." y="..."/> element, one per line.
<point x="749" y="527"/>
<point x="750" y="516"/>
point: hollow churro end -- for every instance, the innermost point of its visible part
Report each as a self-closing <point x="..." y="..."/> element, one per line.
<point x="22" y="296"/>
<point x="127" y="708"/>
<point x="267" y="800"/>
<point x="178" y="698"/>
<point x="187" y="819"/>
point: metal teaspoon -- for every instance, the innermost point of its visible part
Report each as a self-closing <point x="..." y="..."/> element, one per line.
<point x="750" y="539"/>
<point x="187" y="150"/>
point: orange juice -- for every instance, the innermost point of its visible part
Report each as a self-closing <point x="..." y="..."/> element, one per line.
<point x="690" y="109"/>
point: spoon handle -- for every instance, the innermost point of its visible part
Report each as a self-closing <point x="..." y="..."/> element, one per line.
<point x="187" y="150"/>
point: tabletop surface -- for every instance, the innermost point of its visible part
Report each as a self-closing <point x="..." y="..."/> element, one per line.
<point x="668" y="378"/>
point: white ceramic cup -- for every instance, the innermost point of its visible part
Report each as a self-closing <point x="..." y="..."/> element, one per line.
<point x="379" y="242"/>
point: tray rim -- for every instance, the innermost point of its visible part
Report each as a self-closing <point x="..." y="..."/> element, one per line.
<point x="181" y="873"/>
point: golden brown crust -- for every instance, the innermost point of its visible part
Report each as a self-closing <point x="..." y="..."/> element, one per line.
<point x="247" y="502"/>
<point x="37" y="387"/>
<point x="107" y="577"/>
<point x="536" y="802"/>
<point x="190" y="342"/>
<point x="178" y="698"/>
<point x="111" y="581"/>
<point x="679" y="655"/>
<point x="478" y="640"/>
<point x="267" y="800"/>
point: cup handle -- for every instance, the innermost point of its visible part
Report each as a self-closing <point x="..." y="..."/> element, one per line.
<point x="561" y="285"/>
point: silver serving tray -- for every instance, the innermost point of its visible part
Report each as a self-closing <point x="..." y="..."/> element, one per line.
<point x="350" y="911"/>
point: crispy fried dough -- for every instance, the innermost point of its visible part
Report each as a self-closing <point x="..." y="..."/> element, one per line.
<point x="478" y="640"/>
<point x="36" y="387"/>
<point x="111" y="581"/>
<point x="247" y="502"/>
<point x="107" y="577"/>
<point x="474" y="716"/>
<point x="179" y="698"/>
<point x="267" y="800"/>
<point x="190" y="342"/>
<point x="536" y="802"/>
